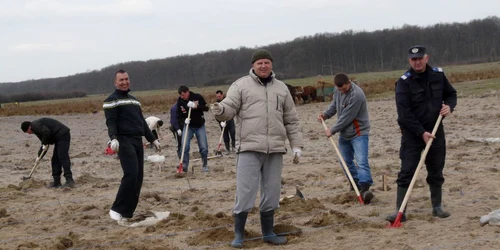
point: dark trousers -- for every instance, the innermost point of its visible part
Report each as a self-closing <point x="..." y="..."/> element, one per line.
<point x="229" y="133"/>
<point x="131" y="155"/>
<point x="60" y="157"/>
<point x="179" y="142"/>
<point x="411" y="149"/>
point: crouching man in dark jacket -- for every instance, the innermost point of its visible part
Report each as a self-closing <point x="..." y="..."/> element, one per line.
<point x="51" y="131"/>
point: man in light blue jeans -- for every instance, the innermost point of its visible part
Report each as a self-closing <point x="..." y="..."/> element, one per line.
<point x="353" y="123"/>
<point x="201" y="137"/>
<point x="190" y="108"/>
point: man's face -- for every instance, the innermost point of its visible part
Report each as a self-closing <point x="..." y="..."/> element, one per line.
<point x="185" y="95"/>
<point x="419" y="64"/>
<point x="219" y="96"/>
<point x="263" y="67"/>
<point x="122" y="81"/>
<point x="344" y="88"/>
<point x="29" y="132"/>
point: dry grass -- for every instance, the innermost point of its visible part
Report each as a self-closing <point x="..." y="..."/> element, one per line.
<point x="478" y="79"/>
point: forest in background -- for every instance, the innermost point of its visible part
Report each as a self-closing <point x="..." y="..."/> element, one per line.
<point x="320" y="54"/>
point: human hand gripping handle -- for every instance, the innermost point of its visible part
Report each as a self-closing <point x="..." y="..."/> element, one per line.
<point x="217" y="109"/>
<point x="42" y="152"/>
<point x="296" y="155"/>
<point x="192" y="105"/>
<point x="223" y="124"/>
<point x="157" y="145"/>
<point x="115" y="145"/>
<point x="179" y="132"/>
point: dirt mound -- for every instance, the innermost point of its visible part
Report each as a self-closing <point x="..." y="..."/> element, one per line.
<point x="198" y="221"/>
<point x="295" y="204"/>
<point x="9" y="188"/>
<point x="212" y="236"/>
<point x="30" y="183"/>
<point x="344" y="198"/>
<point x="287" y="229"/>
<point x="88" y="178"/>
<point x="339" y="218"/>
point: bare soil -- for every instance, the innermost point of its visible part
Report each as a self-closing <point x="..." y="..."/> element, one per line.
<point x="35" y="217"/>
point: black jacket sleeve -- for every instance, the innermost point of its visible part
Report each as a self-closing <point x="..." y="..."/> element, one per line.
<point x="449" y="94"/>
<point x="111" y="115"/>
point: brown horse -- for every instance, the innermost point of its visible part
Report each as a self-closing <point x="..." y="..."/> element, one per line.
<point x="307" y="93"/>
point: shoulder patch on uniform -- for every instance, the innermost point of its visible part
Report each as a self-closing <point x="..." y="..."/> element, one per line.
<point x="406" y="75"/>
<point x="437" y="69"/>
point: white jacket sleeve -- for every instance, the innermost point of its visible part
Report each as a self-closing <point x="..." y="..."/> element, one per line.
<point x="231" y="104"/>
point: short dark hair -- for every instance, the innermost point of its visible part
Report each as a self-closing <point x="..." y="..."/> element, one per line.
<point x="340" y="79"/>
<point x="182" y="88"/>
<point x="120" y="71"/>
<point x="219" y="92"/>
<point x="25" y="126"/>
<point x="160" y="123"/>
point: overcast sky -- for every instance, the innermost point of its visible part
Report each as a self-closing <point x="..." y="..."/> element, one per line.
<point x="52" y="38"/>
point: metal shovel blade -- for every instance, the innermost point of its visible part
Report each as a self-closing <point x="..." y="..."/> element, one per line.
<point x="299" y="194"/>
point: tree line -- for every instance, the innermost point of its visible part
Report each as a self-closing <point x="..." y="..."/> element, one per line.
<point x="320" y="54"/>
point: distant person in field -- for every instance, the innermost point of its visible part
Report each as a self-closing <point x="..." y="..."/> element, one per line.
<point x="188" y="99"/>
<point x="176" y="128"/>
<point x="266" y="118"/>
<point x="353" y="126"/>
<point x="126" y="127"/>
<point x="229" y="131"/>
<point x="53" y="132"/>
<point x="422" y="94"/>
<point x="154" y="124"/>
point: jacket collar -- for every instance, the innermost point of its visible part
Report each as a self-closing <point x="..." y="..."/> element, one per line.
<point x="256" y="78"/>
<point x="121" y="92"/>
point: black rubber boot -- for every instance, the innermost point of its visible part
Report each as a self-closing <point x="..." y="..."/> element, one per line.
<point x="205" y="165"/>
<point x="436" y="195"/>
<point x="239" y="229"/>
<point x="228" y="148"/>
<point x="56" y="183"/>
<point x="69" y="182"/>
<point x="399" y="199"/>
<point x="267" y="226"/>
<point x="366" y="194"/>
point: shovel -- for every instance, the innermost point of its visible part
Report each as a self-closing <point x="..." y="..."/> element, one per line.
<point x="218" y="152"/>
<point x="179" y="169"/>
<point x="37" y="161"/>
<point x="397" y="221"/>
<point x="344" y="166"/>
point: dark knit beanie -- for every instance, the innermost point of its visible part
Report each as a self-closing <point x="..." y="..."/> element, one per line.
<point x="261" y="54"/>
<point x="25" y="126"/>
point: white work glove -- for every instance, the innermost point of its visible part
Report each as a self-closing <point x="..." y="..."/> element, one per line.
<point x="296" y="155"/>
<point x="192" y="105"/>
<point x="187" y="121"/>
<point x="179" y="132"/>
<point x="217" y="109"/>
<point x="115" y="145"/>
<point x="223" y="124"/>
<point x="45" y="147"/>
<point x="156" y="143"/>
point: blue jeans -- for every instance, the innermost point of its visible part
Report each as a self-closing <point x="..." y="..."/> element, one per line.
<point x="201" y="137"/>
<point x="357" y="148"/>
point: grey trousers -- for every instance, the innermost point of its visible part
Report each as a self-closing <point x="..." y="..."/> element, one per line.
<point x="253" y="168"/>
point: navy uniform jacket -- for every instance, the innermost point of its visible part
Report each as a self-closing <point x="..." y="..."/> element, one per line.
<point x="418" y="104"/>
<point x="124" y="116"/>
